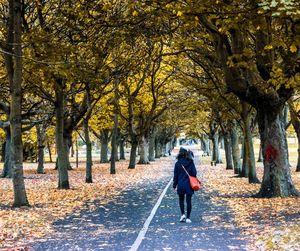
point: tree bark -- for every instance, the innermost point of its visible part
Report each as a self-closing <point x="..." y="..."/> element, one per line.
<point x="248" y="169"/>
<point x="152" y="146"/>
<point x="68" y="144"/>
<point x="216" y="152"/>
<point x="122" y="148"/>
<point x="205" y="145"/>
<point x="236" y="155"/>
<point x="89" y="161"/>
<point x="158" y="147"/>
<point x="114" y="149"/>
<point x="228" y="151"/>
<point x="77" y="154"/>
<point x="114" y="138"/>
<point x="133" y="149"/>
<point x="72" y="150"/>
<point x="174" y="141"/>
<point x="260" y="155"/>
<point x="284" y="120"/>
<point x="164" y="149"/>
<point x="62" y="156"/>
<point x="41" y="130"/>
<point x="168" y="148"/>
<point x="298" y="159"/>
<point x="104" y="139"/>
<point x="3" y="152"/>
<point x="30" y="154"/>
<point x="20" y="197"/>
<point x="7" y="171"/>
<point x="296" y="124"/>
<point x="221" y="141"/>
<point x="277" y="180"/>
<point x="144" y="150"/>
<point x="132" y="132"/>
<point x="50" y="154"/>
<point x="245" y="167"/>
<point x="117" y="144"/>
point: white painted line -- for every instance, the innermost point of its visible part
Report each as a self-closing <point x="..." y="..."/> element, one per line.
<point x="144" y="230"/>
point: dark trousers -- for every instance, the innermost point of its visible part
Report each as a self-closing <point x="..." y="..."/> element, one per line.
<point x="188" y="204"/>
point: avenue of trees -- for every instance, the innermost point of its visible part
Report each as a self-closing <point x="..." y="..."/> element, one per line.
<point x="139" y="72"/>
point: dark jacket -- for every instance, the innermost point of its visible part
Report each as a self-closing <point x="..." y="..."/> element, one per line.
<point x="181" y="179"/>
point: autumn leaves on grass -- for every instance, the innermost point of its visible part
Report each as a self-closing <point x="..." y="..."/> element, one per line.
<point x="269" y="224"/>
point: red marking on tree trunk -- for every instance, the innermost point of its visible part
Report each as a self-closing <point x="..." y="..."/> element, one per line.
<point x="270" y="153"/>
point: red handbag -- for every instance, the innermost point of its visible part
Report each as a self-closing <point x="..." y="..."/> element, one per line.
<point x="194" y="181"/>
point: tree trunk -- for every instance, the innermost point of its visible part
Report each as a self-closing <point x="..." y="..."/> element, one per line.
<point x="168" y="148"/>
<point x="3" y="152"/>
<point x="221" y="141"/>
<point x="114" y="137"/>
<point x="117" y="145"/>
<point x="298" y="158"/>
<point x="284" y="120"/>
<point x="216" y="152"/>
<point x="164" y="149"/>
<point x="260" y="155"/>
<point x="152" y="146"/>
<point x="252" y="177"/>
<point x="41" y="130"/>
<point x="62" y="155"/>
<point x="7" y="171"/>
<point x="50" y="154"/>
<point x="205" y="145"/>
<point x="30" y="154"/>
<point x="144" y="150"/>
<point x="248" y="169"/>
<point x="296" y="124"/>
<point x="68" y="145"/>
<point x="277" y="180"/>
<point x="236" y="156"/>
<point x="77" y="154"/>
<point x="174" y="142"/>
<point x="132" y="160"/>
<point x="228" y="151"/>
<point x="158" y="153"/>
<point x="220" y="161"/>
<point x="72" y="150"/>
<point x="242" y="149"/>
<point x="114" y="149"/>
<point x="245" y="167"/>
<point x="122" y="148"/>
<point x="89" y="162"/>
<point x="104" y="139"/>
<point x="20" y="197"/>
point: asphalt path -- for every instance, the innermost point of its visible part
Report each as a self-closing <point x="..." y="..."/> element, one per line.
<point x="116" y="225"/>
<point x="113" y="226"/>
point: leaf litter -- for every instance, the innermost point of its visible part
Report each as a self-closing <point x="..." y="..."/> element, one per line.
<point x="267" y="223"/>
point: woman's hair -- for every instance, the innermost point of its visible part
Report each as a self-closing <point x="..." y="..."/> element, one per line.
<point x="187" y="154"/>
<point x="182" y="153"/>
<point x="190" y="155"/>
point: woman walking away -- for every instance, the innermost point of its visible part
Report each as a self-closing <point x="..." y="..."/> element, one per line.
<point x="182" y="183"/>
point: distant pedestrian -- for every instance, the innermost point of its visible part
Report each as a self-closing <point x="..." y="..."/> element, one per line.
<point x="181" y="181"/>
